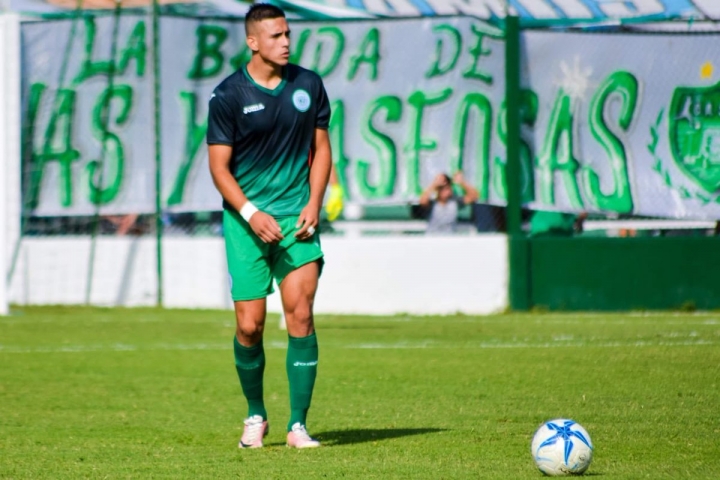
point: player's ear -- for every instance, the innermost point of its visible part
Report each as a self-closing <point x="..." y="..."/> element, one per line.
<point x="252" y="43"/>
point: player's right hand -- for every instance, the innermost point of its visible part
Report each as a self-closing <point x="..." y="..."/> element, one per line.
<point x="266" y="227"/>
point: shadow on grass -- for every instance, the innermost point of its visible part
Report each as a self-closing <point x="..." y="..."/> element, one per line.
<point x="361" y="435"/>
<point x="358" y="327"/>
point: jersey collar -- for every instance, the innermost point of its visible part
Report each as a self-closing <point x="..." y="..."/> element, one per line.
<point x="275" y="91"/>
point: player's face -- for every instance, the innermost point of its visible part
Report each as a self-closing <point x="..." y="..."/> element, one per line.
<point x="270" y="38"/>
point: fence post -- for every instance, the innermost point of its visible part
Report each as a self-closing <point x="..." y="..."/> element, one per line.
<point x="518" y="246"/>
<point x="158" y="150"/>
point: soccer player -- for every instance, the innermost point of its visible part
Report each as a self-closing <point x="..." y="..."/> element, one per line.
<point x="270" y="159"/>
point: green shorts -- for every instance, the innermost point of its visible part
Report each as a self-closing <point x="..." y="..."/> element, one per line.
<point x="252" y="263"/>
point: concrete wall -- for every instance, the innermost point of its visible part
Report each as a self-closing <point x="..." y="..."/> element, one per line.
<point x="368" y="275"/>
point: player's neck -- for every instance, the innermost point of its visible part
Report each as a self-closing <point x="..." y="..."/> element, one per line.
<point x="266" y="74"/>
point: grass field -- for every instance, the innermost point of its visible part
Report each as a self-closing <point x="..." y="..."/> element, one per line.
<point x="113" y="393"/>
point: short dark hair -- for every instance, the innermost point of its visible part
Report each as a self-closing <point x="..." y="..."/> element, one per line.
<point x="262" y="11"/>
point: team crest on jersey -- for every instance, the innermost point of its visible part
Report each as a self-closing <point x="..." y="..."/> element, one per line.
<point x="301" y="100"/>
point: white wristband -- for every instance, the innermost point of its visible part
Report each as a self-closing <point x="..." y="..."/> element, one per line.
<point x="248" y="210"/>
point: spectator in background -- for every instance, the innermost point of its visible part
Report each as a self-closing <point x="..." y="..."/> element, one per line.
<point x="442" y="203"/>
<point x="125" y="224"/>
<point x="555" y="224"/>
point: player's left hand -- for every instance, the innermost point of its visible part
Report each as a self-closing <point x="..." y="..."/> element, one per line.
<point x="307" y="222"/>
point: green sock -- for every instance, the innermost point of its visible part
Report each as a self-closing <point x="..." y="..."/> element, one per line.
<point x="301" y="365"/>
<point x="250" y="366"/>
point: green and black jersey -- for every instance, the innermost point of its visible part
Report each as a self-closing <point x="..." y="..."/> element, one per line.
<point x="271" y="134"/>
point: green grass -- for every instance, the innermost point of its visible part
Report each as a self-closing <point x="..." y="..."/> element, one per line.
<point x="114" y="393"/>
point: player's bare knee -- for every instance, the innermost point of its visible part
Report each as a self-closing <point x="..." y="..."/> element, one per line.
<point x="300" y="316"/>
<point x="249" y="334"/>
<point x="249" y="328"/>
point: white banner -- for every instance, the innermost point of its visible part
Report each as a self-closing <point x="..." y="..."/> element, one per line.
<point x="608" y="124"/>
<point x="410" y="98"/>
<point x="621" y="129"/>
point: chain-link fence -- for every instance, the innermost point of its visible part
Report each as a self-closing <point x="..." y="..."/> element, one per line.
<point x="115" y="104"/>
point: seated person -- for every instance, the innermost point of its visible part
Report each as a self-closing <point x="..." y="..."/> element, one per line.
<point x="442" y="203"/>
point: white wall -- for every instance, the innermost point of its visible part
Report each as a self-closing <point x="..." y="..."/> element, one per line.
<point x="9" y="144"/>
<point x="370" y="275"/>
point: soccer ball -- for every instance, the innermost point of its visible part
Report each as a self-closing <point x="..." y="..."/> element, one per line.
<point x="561" y="447"/>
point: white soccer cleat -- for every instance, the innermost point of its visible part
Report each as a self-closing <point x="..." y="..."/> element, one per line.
<point x="255" y="429"/>
<point x="298" y="437"/>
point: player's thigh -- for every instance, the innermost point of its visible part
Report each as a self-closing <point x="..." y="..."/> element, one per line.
<point x="297" y="290"/>
<point x="247" y="258"/>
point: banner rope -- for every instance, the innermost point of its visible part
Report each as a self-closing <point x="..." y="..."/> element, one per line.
<point x="97" y="200"/>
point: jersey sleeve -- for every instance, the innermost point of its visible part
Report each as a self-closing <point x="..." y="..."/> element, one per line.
<point x="322" y="120"/>
<point x="221" y="121"/>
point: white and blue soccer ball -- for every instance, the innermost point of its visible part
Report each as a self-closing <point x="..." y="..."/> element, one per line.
<point x="562" y="447"/>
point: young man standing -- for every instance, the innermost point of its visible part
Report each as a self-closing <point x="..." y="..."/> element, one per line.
<point x="270" y="159"/>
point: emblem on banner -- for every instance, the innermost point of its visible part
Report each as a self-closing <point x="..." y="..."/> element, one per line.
<point x="694" y="134"/>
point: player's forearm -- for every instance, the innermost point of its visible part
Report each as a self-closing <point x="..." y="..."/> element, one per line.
<point x="319" y="176"/>
<point x="219" y="157"/>
<point x="320" y="167"/>
<point x="228" y="188"/>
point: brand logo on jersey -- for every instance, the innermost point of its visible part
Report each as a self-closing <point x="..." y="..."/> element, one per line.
<point x="253" y="108"/>
<point x="301" y="100"/>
